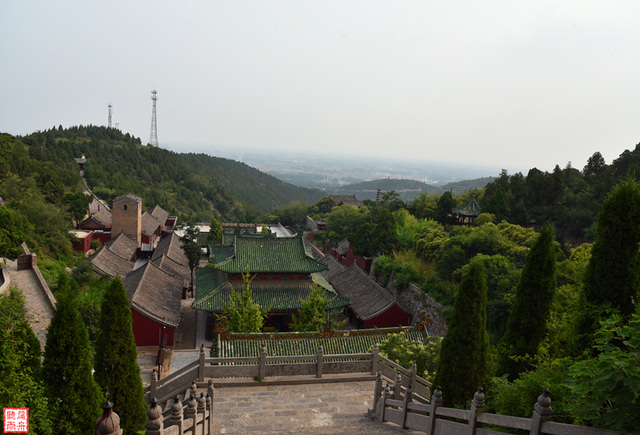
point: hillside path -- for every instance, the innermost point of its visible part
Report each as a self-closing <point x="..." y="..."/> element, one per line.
<point x="38" y="307"/>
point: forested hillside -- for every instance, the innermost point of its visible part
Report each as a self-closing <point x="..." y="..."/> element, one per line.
<point x="117" y="163"/>
<point x="250" y="186"/>
<point x="407" y="189"/>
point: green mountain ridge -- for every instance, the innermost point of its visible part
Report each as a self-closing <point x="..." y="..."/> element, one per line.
<point x="407" y="189"/>
<point x="260" y="190"/>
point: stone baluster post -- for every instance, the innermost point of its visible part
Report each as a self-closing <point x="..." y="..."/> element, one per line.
<point x="109" y="421"/>
<point x="209" y="415"/>
<point x="408" y="398"/>
<point x="436" y="402"/>
<point x="414" y="375"/>
<point x="201" y="366"/>
<point x="374" y="359"/>
<point x="476" y="408"/>
<point x="153" y="384"/>
<point x="383" y="402"/>
<point x="541" y="412"/>
<point x="320" y="361"/>
<point x="263" y="363"/>
<point x="177" y="415"/>
<point x="377" y="391"/>
<point x="202" y="407"/>
<point x="210" y="389"/>
<point x="191" y="408"/>
<point x="154" y="424"/>
<point x="397" y="387"/>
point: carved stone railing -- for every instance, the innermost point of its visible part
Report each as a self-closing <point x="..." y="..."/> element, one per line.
<point x="263" y="367"/>
<point x="390" y="405"/>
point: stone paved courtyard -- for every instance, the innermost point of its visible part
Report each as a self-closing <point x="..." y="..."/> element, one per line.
<point x="332" y="408"/>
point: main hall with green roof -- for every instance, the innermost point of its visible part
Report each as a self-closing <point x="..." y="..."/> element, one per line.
<point x="284" y="274"/>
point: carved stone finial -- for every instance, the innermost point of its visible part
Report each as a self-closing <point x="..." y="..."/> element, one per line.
<point x="210" y="388"/>
<point x="320" y="349"/>
<point x="154" y="375"/>
<point x="202" y="350"/>
<point x="176" y="409"/>
<point x="109" y="421"/>
<point x="193" y="389"/>
<point x="437" y="395"/>
<point x="408" y="394"/>
<point x="154" y="416"/>
<point x="478" y="398"/>
<point x="201" y="403"/>
<point x="543" y="406"/>
<point x="263" y="350"/>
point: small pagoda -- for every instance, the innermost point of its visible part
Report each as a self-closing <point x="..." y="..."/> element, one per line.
<point x="467" y="213"/>
<point x="283" y="272"/>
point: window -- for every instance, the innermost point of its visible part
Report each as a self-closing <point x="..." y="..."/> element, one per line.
<point x="125" y="207"/>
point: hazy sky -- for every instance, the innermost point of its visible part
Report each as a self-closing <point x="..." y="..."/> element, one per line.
<point x="511" y="84"/>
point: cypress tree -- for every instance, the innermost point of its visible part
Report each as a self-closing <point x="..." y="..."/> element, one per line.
<point x="116" y="368"/>
<point x="612" y="279"/>
<point x="67" y="366"/>
<point x="463" y="365"/>
<point x="527" y="323"/>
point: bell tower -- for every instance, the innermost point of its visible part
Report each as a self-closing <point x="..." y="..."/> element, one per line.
<point x="127" y="216"/>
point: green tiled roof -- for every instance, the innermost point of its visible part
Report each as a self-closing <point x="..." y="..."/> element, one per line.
<point x="282" y="255"/>
<point x="287" y="343"/>
<point x="471" y="209"/>
<point x="280" y="295"/>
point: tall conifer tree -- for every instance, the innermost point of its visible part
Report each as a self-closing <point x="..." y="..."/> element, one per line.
<point x="612" y="279"/>
<point x="67" y="366"/>
<point x="463" y="365"/>
<point x="527" y="324"/>
<point x="116" y="368"/>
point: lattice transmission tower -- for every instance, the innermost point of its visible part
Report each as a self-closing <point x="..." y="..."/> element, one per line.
<point x="153" y="140"/>
<point x="109" y="115"/>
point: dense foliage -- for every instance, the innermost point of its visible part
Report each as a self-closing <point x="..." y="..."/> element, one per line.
<point x="314" y="314"/>
<point x="20" y="381"/>
<point x="68" y="361"/>
<point x="464" y="358"/>
<point x="612" y="278"/>
<point x="243" y="314"/>
<point x="116" y="367"/>
<point x="262" y="191"/>
<point x="527" y="324"/>
<point x="399" y="349"/>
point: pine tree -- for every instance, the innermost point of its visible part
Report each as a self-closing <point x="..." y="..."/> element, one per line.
<point x="527" y="324"/>
<point x="243" y="314"/>
<point x="612" y="279"/>
<point x="67" y="366"/>
<point x="116" y="368"/>
<point x="314" y="314"/>
<point x="215" y="230"/>
<point x="463" y="365"/>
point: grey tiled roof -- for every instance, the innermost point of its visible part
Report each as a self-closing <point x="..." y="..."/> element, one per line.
<point x="102" y="218"/>
<point x="155" y="293"/>
<point x="122" y="245"/>
<point x="129" y="196"/>
<point x="334" y="267"/>
<point x="107" y="262"/>
<point x="176" y="269"/>
<point x="171" y="246"/>
<point x="347" y="199"/>
<point x="150" y="224"/>
<point x="368" y="299"/>
<point x="159" y="213"/>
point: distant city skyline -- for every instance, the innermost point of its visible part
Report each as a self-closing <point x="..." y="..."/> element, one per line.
<point x="501" y="84"/>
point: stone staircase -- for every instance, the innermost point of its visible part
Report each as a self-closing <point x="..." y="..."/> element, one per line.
<point x="321" y="408"/>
